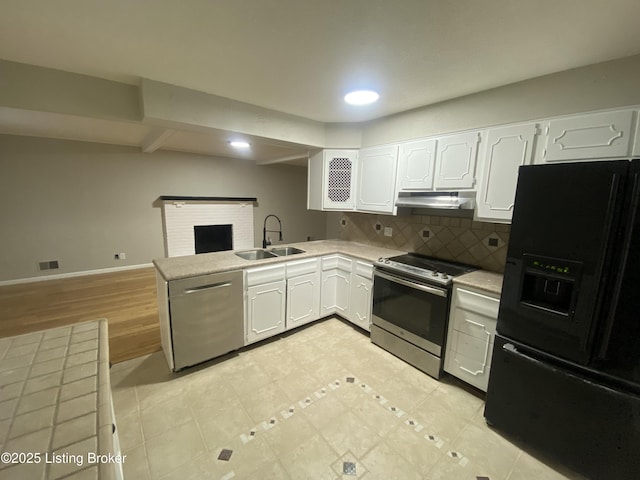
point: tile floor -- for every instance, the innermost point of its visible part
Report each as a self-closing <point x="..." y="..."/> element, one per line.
<point x="319" y="402"/>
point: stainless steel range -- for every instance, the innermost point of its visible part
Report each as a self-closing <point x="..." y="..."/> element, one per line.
<point x="411" y="297"/>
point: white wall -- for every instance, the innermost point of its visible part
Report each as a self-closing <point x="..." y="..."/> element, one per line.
<point x="601" y="86"/>
<point x="80" y="203"/>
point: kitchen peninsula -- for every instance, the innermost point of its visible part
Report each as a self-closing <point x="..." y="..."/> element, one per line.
<point x="214" y="303"/>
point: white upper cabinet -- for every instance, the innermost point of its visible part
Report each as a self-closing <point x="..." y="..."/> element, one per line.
<point x="590" y="136"/>
<point x="416" y="162"/>
<point x="456" y="161"/>
<point x="331" y="180"/>
<point x="636" y="146"/>
<point x="507" y="148"/>
<point x="376" y="189"/>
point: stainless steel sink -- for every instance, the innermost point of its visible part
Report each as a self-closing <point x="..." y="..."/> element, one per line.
<point x="257" y="254"/>
<point x="284" y="251"/>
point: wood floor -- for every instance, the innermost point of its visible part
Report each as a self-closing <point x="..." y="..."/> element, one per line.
<point x="126" y="299"/>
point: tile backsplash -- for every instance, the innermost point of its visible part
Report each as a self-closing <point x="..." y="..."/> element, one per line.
<point x="450" y="238"/>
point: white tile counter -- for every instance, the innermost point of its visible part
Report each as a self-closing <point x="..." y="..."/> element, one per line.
<point x="55" y="403"/>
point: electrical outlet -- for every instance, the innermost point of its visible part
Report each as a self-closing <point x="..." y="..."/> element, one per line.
<point x="388" y="231"/>
<point x="120" y="256"/>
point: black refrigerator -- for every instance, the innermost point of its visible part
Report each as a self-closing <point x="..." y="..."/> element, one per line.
<point x="565" y="375"/>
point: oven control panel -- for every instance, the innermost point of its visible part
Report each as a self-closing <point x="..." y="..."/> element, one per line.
<point x="432" y="276"/>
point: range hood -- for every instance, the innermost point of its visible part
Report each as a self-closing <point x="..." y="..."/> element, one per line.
<point x="439" y="203"/>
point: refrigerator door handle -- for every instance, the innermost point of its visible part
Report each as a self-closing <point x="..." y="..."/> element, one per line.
<point x="511" y="349"/>
<point x="611" y="317"/>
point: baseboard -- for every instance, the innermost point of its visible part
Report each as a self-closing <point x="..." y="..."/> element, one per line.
<point x="60" y="276"/>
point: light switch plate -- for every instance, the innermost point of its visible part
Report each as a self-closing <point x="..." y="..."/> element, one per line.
<point x="388" y="231"/>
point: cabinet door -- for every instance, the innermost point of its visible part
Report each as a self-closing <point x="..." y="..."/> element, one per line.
<point x="594" y="135"/>
<point x="303" y="299"/>
<point x="315" y="181"/>
<point x="456" y="161"/>
<point x="471" y="331"/>
<point x="361" y="298"/>
<point x="416" y="161"/>
<point x="339" y="179"/>
<point x="507" y="148"/>
<point x="265" y="306"/>
<point x="376" y="191"/>
<point x="469" y="356"/>
<point x="636" y="145"/>
<point x="335" y="291"/>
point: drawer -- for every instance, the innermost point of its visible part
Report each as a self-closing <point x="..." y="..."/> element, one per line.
<point x="336" y="261"/>
<point x="260" y="275"/>
<point x="481" y="303"/>
<point x="363" y="269"/>
<point x="472" y="324"/>
<point x="302" y="267"/>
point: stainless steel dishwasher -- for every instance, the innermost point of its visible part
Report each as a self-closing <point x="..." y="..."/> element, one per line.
<point x="207" y="317"/>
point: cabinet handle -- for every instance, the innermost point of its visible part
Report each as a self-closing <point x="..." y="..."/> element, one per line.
<point x="477" y="325"/>
<point x="208" y="287"/>
<point x="476" y="373"/>
<point x="407" y="283"/>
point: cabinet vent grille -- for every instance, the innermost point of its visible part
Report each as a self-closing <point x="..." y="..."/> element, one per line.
<point x="339" y="179"/>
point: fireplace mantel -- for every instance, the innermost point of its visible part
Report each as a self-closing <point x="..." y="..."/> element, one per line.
<point x="178" y="198"/>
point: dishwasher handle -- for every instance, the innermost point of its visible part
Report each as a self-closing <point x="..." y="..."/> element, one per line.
<point x="207" y="287"/>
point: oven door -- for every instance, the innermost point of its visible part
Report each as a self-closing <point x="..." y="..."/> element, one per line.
<point x="411" y="310"/>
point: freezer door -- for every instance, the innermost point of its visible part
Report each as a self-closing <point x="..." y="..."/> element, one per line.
<point x="589" y="427"/>
<point x="559" y="257"/>
<point x="617" y="345"/>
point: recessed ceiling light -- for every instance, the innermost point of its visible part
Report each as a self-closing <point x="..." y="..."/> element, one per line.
<point x="361" y="97"/>
<point x="239" y="144"/>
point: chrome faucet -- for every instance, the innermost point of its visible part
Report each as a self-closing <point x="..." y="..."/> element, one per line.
<point x="266" y="241"/>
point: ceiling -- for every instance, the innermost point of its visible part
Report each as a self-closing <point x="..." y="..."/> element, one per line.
<point x="301" y="56"/>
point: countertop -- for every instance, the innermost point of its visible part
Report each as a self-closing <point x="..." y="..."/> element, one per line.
<point x="175" y="268"/>
<point x="483" y="280"/>
<point x="55" y="402"/>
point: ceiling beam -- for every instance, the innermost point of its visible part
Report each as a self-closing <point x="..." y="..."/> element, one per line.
<point x="156" y="139"/>
<point x="289" y="158"/>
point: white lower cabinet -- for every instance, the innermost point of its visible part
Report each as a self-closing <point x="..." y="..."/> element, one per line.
<point x="285" y="296"/>
<point x="265" y="301"/>
<point x="303" y="292"/>
<point x="336" y="285"/>
<point x="361" y="295"/>
<point x="472" y="327"/>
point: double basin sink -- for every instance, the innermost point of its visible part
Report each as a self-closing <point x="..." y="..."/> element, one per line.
<point x="261" y="253"/>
